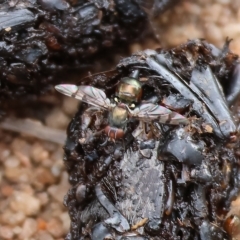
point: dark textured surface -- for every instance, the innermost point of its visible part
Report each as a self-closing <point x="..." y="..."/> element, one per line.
<point x="193" y="168"/>
<point x="43" y="42"/>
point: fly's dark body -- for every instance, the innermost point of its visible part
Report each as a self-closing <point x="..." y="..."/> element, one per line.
<point x="159" y="181"/>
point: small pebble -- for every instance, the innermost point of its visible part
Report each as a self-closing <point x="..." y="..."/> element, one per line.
<point x="24" y="159"/>
<point x="47" y="163"/>
<point x="17" y="230"/>
<point x="18" y="175"/>
<point x="54" y="227"/>
<point x="38" y="153"/>
<point x="65" y="221"/>
<point x="4" y="152"/>
<point x="25" y="203"/>
<point x="12" y="218"/>
<point x="11" y="162"/>
<point x="43" y="198"/>
<point x="6" y="190"/>
<point x="6" y="232"/>
<point x="57" y="168"/>
<point x="19" y="145"/>
<point x="41" y="224"/>
<point x="58" y="192"/>
<point x="42" y="235"/>
<point x="43" y="176"/>
<point x="28" y="229"/>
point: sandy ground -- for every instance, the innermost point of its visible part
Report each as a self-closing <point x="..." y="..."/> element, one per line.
<point x="32" y="177"/>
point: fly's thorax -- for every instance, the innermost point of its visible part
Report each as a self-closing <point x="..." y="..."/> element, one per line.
<point x="118" y="116"/>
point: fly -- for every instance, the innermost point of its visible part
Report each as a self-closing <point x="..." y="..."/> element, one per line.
<point x="126" y="104"/>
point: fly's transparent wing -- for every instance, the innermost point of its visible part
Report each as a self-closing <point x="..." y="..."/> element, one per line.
<point x="150" y="112"/>
<point x="88" y="94"/>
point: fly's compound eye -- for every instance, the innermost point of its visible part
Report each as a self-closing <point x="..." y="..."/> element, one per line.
<point x="132" y="106"/>
<point x="116" y="99"/>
